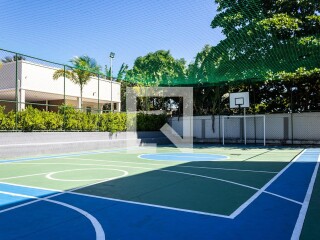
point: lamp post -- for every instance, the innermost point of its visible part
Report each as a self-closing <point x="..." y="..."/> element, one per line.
<point x="112" y="54"/>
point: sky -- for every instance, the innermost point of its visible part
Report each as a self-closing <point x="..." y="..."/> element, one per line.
<point x="58" y="30"/>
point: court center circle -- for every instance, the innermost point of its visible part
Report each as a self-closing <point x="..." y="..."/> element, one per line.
<point x="185" y="157"/>
<point x="50" y="175"/>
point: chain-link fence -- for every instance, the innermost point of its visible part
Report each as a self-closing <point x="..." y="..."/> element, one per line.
<point x="280" y="112"/>
<point x="291" y="108"/>
<point x="27" y="82"/>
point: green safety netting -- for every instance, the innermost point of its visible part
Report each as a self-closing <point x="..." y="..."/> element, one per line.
<point x="262" y="39"/>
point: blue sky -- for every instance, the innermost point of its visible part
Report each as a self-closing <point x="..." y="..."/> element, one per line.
<point x="58" y="30"/>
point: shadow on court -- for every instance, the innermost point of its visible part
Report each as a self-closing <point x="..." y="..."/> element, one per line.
<point x="216" y="187"/>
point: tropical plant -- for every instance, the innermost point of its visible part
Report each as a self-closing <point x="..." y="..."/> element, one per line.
<point x="121" y="73"/>
<point x="83" y="69"/>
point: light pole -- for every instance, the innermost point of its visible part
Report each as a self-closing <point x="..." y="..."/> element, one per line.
<point x="112" y="54"/>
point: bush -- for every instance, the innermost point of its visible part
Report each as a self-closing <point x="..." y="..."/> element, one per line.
<point x="146" y="122"/>
<point x="7" y="121"/>
<point x="31" y="119"/>
<point x="69" y="119"/>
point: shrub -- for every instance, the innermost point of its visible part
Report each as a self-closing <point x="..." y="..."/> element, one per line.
<point x="70" y="119"/>
<point x="147" y="122"/>
<point x="7" y="121"/>
<point x="31" y="119"/>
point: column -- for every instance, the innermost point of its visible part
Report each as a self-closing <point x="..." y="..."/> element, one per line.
<point x="78" y="103"/>
<point x="22" y="99"/>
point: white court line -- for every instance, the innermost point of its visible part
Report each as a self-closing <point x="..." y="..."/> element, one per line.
<point x="145" y="204"/>
<point x="230" y="169"/>
<point x="219" y="159"/>
<point x="49" y="175"/>
<point x="55" y="143"/>
<point x="158" y="206"/>
<point x="21" y="176"/>
<point x="106" y="198"/>
<point x="176" y="155"/>
<point x="163" y="165"/>
<point x="120" y="161"/>
<point x="302" y="214"/>
<point x="162" y="170"/>
<point x="152" y="205"/>
<point x="257" y="194"/>
<point x="285" y="198"/>
<point x="48" y="157"/>
<point x="100" y="235"/>
<point x="31" y="187"/>
<point x="217" y="179"/>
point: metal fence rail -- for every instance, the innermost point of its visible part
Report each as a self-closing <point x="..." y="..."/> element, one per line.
<point x="28" y="81"/>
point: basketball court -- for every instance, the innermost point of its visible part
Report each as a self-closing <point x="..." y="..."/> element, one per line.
<point x="231" y="192"/>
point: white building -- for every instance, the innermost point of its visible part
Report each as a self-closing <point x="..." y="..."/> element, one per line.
<point x="37" y="87"/>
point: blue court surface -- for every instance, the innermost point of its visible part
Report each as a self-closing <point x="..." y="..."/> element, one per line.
<point x="209" y="194"/>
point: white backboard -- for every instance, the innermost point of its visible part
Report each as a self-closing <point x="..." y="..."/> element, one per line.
<point x="240" y="99"/>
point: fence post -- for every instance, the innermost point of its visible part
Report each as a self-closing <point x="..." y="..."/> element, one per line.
<point x="98" y="93"/>
<point x="64" y="97"/>
<point x="252" y="89"/>
<point x="99" y="112"/>
<point x="111" y="100"/>
<point x="291" y="110"/>
<point x="17" y="96"/>
<point x="219" y="110"/>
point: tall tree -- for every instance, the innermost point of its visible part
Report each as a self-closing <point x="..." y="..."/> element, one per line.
<point x="268" y="35"/>
<point x="156" y="69"/>
<point x="268" y="40"/>
<point x="121" y="73"/>
<point x="83" y="69"/>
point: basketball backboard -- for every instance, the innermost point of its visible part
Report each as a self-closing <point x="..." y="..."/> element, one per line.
<point x="239" y="99"/>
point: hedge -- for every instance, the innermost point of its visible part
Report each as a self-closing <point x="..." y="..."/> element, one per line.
<point x="69" y="119"/>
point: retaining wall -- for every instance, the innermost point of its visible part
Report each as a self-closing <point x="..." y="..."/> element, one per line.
<point x="17" y="144"/>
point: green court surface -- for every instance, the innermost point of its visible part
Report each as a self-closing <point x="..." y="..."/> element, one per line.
<point x="191" y="182"/>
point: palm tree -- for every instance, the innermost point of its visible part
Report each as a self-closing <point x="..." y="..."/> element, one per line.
<point x="121" y="73"/>
<point x="84" y="67"/>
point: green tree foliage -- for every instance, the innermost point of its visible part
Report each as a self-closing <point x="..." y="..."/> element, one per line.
<point x="264" y="36"/>
<point x="121" y="73"/>
<point x="69" y="119"/>
<point x="83" y="69"/>
<point x="205" y="97"/>
<point x="157" y="68"/>
<point x="120" y="78"/>
<point x="154" y="69"/>
<point x="274" y="41"/>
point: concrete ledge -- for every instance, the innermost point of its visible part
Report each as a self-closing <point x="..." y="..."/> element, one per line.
<point x="258" y="141"/>
<point x="24" y="144"/>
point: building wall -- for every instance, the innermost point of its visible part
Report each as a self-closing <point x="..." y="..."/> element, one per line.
<point x="9" y="106"/>
<point x="38" y="77"/>
<point x="280" y="128"/>
<point x="8" y="75"/>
